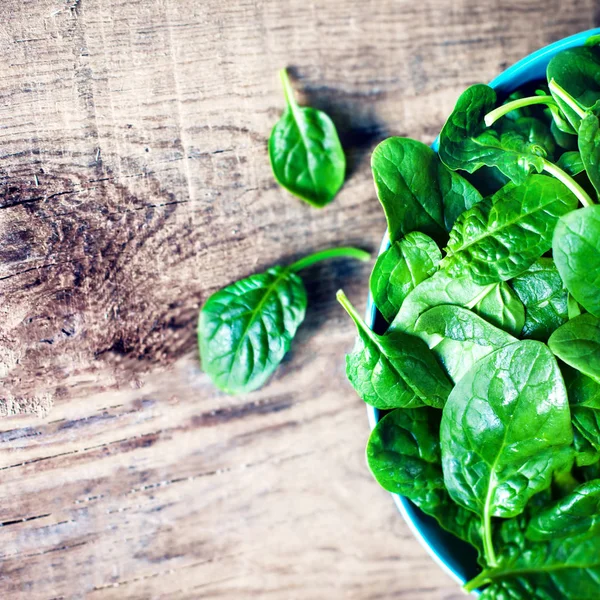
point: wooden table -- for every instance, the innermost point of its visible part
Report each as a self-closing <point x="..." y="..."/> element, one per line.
<point x="135" y="182"/>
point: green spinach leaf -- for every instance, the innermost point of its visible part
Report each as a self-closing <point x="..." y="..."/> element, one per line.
<point x="501" y="307"/>
<point x="577" y="71"/>
<point x="587" y="421"/>
<point x="577" y="343"/>
<point x="466" y="143"/>
<point x="416" y="190"/>
<point x="571" y="163"/>
<point x="459" y="338"/>
<point x="245" y="329"/>
<point x="500" y="445"/>
<point x="400" y="269"/>
<point x="585" y="453"/>
<point x="305" y="151"/>
<point x="575" y="514"/>
<point x="576" y="251"/>
<point x="541" y="290"/>
<point x="583" y="390"/>
<point x="403" y="454"/>
<point x="495" y="302"/>
<point x="504" y="235"/>
<point x="536" y="134"/>
<point x="395" y="370"/>
<point x="568" y="569"/>
<point x="563" y="139"/>
<point x="589" y="148"/>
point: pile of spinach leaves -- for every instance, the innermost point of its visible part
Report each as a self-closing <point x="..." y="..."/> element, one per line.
<point x="488" y="365"/>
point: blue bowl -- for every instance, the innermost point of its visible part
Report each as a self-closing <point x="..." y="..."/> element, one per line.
<point x="455" y="557"/>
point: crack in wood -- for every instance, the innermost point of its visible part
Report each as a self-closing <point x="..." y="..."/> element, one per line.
<point x="23" y="520"/>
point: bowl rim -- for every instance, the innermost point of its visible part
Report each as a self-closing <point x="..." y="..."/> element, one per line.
<point x="504" y="82"/>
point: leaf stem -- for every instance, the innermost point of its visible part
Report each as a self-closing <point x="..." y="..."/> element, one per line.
<point x="499" y="112"/>
<point x="581" y="194"/>
<point x="488" y="544"/>
<point x="343" y="300"/>
<point x="345" y="252"/>
<point x="561" y="93"/>
<point x="287" y="89"/>
<point x="476" y="582"/>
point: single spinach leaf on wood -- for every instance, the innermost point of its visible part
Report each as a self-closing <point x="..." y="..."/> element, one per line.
<point x="466" y="143"/>
<point x="246" y="328"/>
<point x="576" y="251"/>
<point x="500" y="446"/>
<point x="459" y="338"/>
<point x="400" y="269"/>
<point x="416" y="190"/>
<point x="576" y="70"/>
<point x="589" y="148"/>
<point x="575" y="514"/>
<point x="577" y="343"/>
<point x="504" y="235"/>
<point x="395" y="370"/>
<point x="496" y="302"/>
<point x="542" y="291"/>
<point x="305" y="151"/>
<point x="403" y="454"/>
<point x="571" y="163"/>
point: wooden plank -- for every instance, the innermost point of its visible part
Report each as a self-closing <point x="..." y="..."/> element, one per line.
<point x="134" y="182"/>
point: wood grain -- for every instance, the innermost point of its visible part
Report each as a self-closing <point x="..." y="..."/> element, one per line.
<point x="134" y="182"/>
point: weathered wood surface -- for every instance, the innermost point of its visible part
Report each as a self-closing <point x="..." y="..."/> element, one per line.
<point x="134" y="182"/>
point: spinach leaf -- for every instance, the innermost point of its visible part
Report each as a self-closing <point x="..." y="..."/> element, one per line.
<point x="585" y="454"/>
<point x="500" y="445"/>
<point x="501" y="307"/>
<point x="400" y="269"/>
<point x="305" y="151"/>
<point x="583" y="390"/>
<point x="577" y="71"/>
<point x="536" y="133"/>
<point x="587" y="422"/>
<point x="403" y="454"/>
<point x="593" y="40"/>
<point x="577" y="343"/>
<point x="541" y="290"/>
<point x="395" y="370"/>
<point x="245" y="329"/>
<point x="496" y="302"/>
<point x="504" y="235"/>
<point x="467" y="143"/>
<point x="589" y="147"/>
<point x="416" y="190"/>
<point x="571" y="163"/>
<point x="575" y="514"/>
<point x="576" y="251"/>
<point x="459" y="338"/>
<point x="563" y="139"/>
<point x="568" y="569"/>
